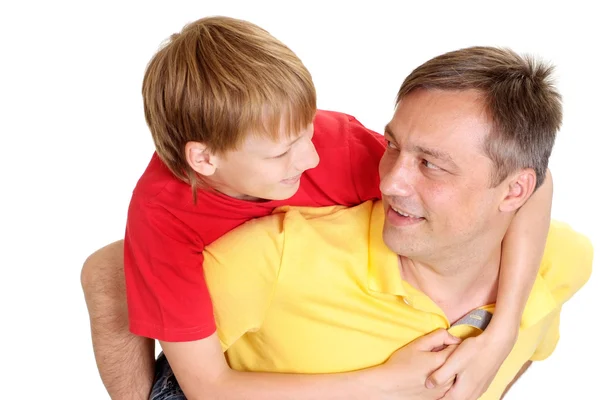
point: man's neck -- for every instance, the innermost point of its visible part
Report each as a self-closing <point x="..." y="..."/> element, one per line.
<point x="457" y="284"/>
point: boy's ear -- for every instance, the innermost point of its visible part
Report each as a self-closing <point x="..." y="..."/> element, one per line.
<point x="200" y="159"/>
<point x="520" y="188"/>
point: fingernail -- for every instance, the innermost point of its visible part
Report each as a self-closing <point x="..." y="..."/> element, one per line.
<point x="429" y="384"/>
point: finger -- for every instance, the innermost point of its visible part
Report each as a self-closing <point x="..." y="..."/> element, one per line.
<point x="455" y="393"/>
<point x="437" y="338"/>
<point x="442" y="356"/>
<point x="444" y="391"/>
<point x="448" y="371"/>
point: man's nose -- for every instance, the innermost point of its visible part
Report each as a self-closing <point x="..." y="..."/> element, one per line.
<point x="398" y="180"/>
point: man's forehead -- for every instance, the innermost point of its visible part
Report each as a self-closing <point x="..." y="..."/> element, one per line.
<point x="427" y="147"/>
<point x="441" y="123"/>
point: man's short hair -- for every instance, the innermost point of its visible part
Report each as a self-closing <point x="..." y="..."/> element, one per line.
<point x="218" y="80"/>
<point x="519" y="96"/>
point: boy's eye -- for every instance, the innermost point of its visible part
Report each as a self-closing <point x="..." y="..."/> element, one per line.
<point x="282" y="154"/>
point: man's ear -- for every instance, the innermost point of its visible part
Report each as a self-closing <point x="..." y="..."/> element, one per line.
<point x="200" y="159"/>
<point x="520" y="187"/>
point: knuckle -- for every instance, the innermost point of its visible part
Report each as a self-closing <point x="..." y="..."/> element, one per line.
<point x="434" y="380"/>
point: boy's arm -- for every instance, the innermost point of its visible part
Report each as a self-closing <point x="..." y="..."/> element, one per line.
<point x="522" y="252"/>
<point x="167" y="296"/>
<point x="203" y="373"/>
<point x="477" y="360"/>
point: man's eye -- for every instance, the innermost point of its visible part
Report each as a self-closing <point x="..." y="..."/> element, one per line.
<point x="430" y="165"/>
<point x="391" y="145"/>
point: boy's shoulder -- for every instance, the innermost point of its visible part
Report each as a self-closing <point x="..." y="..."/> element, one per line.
<point x="333" y="122"/>
<point x="336" y="129"/>
<point x="157" y="182"/>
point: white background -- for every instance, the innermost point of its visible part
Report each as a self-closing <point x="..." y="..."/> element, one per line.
<point x="73" y="143"/>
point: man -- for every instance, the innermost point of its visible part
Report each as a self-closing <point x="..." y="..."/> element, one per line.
<point x="468" y="144"/>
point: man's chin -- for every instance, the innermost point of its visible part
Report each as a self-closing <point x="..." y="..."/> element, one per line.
<point x="401" y="243"/>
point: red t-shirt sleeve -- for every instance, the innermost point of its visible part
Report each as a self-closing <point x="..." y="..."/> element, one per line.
<point x="167" y="296"/>
<point x="366" y="149"/>
<point x="348" y="173"/>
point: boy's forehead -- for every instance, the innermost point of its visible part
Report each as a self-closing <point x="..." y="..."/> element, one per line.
<point x="265" y="143"/>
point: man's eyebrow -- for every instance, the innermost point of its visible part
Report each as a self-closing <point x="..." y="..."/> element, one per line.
<point x="388" y="131"/>
<point x="437" y="154"/>
<point x="440" y="155"/>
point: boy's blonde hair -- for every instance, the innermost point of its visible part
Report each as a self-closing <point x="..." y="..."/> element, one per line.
<point x="217" y="81"/>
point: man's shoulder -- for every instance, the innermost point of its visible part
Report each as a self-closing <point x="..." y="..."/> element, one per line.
<point x="286" y="226"/>
<point x="325" y="213"/>
<point x="262" y="236"/>
<point x="567" y="262"/>
<point x="326" y="220"/>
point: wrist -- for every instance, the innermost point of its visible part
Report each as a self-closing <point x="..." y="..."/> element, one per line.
<point x="372" y="381"/>
<point x="499" y="332"/>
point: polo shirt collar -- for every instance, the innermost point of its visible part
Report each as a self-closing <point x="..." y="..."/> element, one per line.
<point x="384" y="274"/>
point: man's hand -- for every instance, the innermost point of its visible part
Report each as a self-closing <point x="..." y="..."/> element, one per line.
<point x="474" y="364"/>
<point x="403" y="375"/>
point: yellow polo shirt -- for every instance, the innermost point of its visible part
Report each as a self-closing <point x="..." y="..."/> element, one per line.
<point x="316" y="290"/>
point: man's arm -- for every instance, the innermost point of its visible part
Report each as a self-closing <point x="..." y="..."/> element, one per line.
<point x="521" y="371"/>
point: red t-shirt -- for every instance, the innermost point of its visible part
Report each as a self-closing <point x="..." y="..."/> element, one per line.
<point x="167" y="296"/>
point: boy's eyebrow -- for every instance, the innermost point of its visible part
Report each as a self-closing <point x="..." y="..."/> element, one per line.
<point x="287" y="146"/>
<point x="437" y="154"/>
<point x="293" y="141"/>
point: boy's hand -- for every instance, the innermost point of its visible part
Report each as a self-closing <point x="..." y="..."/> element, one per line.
<point x="474" y="363"/>
<point x="403" y="375"/>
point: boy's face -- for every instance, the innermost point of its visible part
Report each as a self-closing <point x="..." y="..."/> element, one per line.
<point x="265" y="169"/>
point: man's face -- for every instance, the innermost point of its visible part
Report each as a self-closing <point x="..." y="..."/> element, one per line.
<point x="265" y="169"/>
<point x="435" y="177"/>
